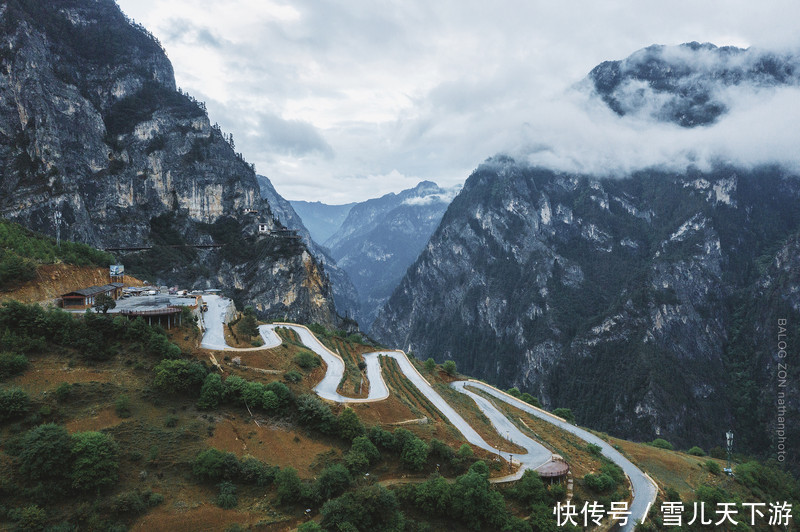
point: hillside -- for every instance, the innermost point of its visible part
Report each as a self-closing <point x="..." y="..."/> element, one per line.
<point x="187" y="447"/>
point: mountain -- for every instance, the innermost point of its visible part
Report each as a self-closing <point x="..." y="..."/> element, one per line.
<point x="97" y="142"/>
<point x="381" y="237"/>
<point x="649" y="305"/>
<point x="691" y="84"/>
<point x="321" y="219"/>
<point x="344" y="293"/>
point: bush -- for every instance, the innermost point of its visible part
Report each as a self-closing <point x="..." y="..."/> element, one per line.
<point x="171" y="421"/>
<point x="382" y="438"/>
<point x="293" y="376"/>
<point x="361" y="455"/>
<point x="531" y="400"/>
<point x="254" y="471"/>
<point x="370" y="508"/>
<point x="565" y="413"/>
<point x="696" y="451"/>
<point x="179" y="376"/>
<point x="227" y="496"/>
<point x="12" y="364"/>
<point x="594" y="450"/>
<point x="415" y="454"/>
<point x="288" y="486"/>
<point x="306" y="360"/>
<point x="333" y="480"/>
<point x="315" y="414"/>
<point x="212" y="465"/>
<point x="63" y="391"/>
<point x="430" y="365"/>
<point x="661" y="444"/>
<point x="46" y="453"/>
<point x="348" y="425"/>
<point x="449" y="367"/>
<point x="14" y="403"/>
<point x="123" y="406"/>
<point x="211" y="393"/>
<point x="95" y="460"/>
<point x="29" y="518"/>
<point x="712" y="467"/>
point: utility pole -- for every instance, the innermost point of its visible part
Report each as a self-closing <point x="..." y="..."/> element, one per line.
<point x="729" y="441"/>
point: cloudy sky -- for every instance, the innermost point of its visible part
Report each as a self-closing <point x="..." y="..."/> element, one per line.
<point x="343" y="101"/>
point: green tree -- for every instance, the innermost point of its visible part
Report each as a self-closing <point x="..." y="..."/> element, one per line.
<point x="288" y="486"/>
<point x="565" y="413"/>
<point x="95" y="460"/>
<point x="530" y="489"/>
<point x="333" y="480"/>
<point x="14" y="402"/>
<point x="315" y="414"/>
<point x="211" y="393"/>
<point x="46" y="453"/>
<point x="179" y="376"/>
<point x="248" y="326"/>
<point x="449" y="367"/>
<point x="103" y="303"/>
<point x="430" y="365"/>
<point x="415" y="454"/>
<point x="348" y="425"/>
<point x="474" y="503"/>
<point x="370" y="508"/>
<point x="12" y="364"/>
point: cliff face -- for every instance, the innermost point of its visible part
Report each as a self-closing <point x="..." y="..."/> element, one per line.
<point x="636" y="302"/>
<point x="344" y="293"/>
<point x="93" y="128"/>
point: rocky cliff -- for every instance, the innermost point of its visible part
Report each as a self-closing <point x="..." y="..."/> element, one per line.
<point x="95" y="141"/>
<point x="636" y="302"/>
<point x="344" y="293"/>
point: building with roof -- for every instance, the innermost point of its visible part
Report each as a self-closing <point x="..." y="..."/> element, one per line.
<point x="85" y="297"/>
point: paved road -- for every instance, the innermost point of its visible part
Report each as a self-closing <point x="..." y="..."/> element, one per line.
<point x="214" y="320"/>
<point x="644" y="489"/>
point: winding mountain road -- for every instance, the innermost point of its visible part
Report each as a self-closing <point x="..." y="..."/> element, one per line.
<point x="644" y="489"/>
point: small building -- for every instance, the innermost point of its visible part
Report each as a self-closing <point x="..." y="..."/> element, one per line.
<point x="85" y="297"/>
<point x="263" y="229"/>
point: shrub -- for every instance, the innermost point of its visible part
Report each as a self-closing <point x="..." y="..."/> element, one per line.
<point x="95" y="460"/>
<point x="14" y="403"/>
<point x="315" y="414"/>
<point x="333" y="480"/>
<point x="254" y="471"/>
<point x="306" y="360"/>
<point x="594" y="450"/>
<point x="211" y="393"/>
<point x="310" y="526"/>
<point x="171" y="421"/>
<point x="661" y="444"/>
<point x="599" y="482"/>
<point x="370" y="508"/>
<point x="227" y="496"/>
<point x="430" y="365"/>
<point x="348" y="425"/>
<point x="712" y="467"/>
<point x="531" y="400"/>
<point x="212" y="465"/>
<point x="382" y="438"/>
<point x="288" y="485"/>
<point x="293" y="376"/>
<point x="46" y="453"/>
<point x="449" y="367"/>
<point x="441" y="450"/>
<point x="361" y="455"/>
<point x="179" y="376"/>
<point x="717" y="452"/>
<point x="63" y="391"/>
<point x="565" y="413"/>
<point x="123" y="406"/>
<point x="415" y="454"/>
<point x="29" y="518"/>
<point x="12" y="364"/>
<point x="696" y="451"/>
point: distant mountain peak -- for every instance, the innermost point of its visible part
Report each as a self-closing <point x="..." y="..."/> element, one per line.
<point x="685" y="84"/>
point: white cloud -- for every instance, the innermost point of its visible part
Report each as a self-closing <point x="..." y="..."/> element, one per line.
<point x="328" y="99"/>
